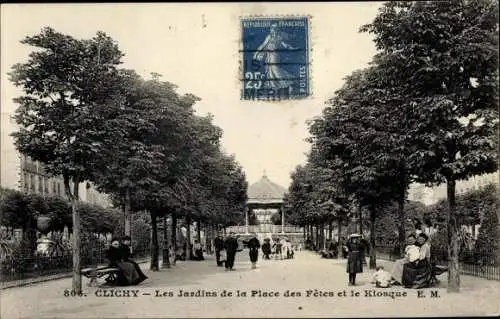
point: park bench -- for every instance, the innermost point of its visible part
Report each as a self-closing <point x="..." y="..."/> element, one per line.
<point x="94" y="273"/>
<point x="436" y="271"/>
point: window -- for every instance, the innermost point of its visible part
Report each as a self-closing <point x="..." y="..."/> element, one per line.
<point x="58" y="189"/>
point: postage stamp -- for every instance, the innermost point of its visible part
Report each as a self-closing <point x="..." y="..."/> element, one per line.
<point x="275" y="58"/>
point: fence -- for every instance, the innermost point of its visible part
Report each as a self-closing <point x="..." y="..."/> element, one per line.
<point x="265" y="228"/>
<point x="22" y="266"/>
<point x="480" y="264"/>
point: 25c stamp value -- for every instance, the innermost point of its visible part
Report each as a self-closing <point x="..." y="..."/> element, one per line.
<point x="275" y="58"/>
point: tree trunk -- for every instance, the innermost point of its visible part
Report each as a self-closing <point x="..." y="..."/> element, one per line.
<point x="318" y="238"/>
<point x="314" y="237"/>
<point x="311" y="233"/>
<point x="360" y="220"/>
<point x="373" y="252"/>
<point x="166" y="245"/>
<point x="187" y="249"/>
<point x="304" y="231"/>
<point x="209" y="229"/>
<point x="76" y="244"/>
<point x="154" y="243"/>
<point x="323" y="235"/>
<point x="401" y="226"/>
<point x="330" y="230"/>
<point x="173" y="234"/>
<point x="126" y="213"/>
<point x="340" y="244"/>
<point x="198" y="231"/>
<point x="453" y="266"/>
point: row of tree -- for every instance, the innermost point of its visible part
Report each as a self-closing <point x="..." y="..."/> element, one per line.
<point x="87" y="119"/>
<point x="425" y="110"/>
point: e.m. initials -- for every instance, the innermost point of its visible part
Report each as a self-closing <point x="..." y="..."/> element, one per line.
<point x="434" y="294"/>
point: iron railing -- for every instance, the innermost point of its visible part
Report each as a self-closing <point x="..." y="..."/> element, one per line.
<point x="479" y="264"/>
<point x="15" y="268"/>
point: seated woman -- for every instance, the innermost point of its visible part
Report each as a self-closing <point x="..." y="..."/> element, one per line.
<point x="127" y="255"/>
<point x="333" y="249"/>
<point x="197" y="251"/>
<point x="128" y="274"/>
<point x="412" y="253"/>
<point x="417" y="274"/>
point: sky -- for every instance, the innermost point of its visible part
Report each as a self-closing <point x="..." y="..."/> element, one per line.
<point x="195" y="46"/>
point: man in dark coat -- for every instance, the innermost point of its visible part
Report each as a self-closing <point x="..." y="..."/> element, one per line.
<point x="231" y="246"/>
<point x="253" y="245"/>
<point x="218" y="245"/>
<point x="266" y="248"/>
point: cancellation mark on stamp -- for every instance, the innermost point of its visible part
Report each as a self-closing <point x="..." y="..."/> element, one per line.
<point x="275" y="58"/>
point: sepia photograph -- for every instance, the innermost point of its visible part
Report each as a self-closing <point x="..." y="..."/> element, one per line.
<point x="249" y="160"/>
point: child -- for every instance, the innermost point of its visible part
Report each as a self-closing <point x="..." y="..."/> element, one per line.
<point x="381" y="278"/>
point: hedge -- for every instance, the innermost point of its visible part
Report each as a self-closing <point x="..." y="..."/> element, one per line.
<point x="18" y="210"/>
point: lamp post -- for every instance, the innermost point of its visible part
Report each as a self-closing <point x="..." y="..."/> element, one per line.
<point x="246" y="220"/>
<point x="282" y="219"/>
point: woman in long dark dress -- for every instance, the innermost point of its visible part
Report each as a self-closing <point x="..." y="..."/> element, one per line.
<point x="417" y="274"/>
<point x="266" y="248"/>
<point x="253" y="250"/>
<point x="115" y="255"/>
<point x="127" y="257"/>
<point x="355" y="258"/>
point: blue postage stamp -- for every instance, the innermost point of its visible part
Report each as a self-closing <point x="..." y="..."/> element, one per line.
<point x="275" y="58"/>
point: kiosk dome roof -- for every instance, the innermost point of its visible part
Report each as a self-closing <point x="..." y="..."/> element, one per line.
<point x="265" y="189"/>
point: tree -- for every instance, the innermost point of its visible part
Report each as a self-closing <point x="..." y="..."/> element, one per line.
<point x="158" y="190"/>
<point x="443" y="56"/>
<point x="132" y="161"/>
<point x="356" y="139"/>
<point x="66" y="84"/>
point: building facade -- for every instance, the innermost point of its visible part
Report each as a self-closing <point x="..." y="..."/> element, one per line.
<point x="21" y="173"/>
<point x="431" y="195"/>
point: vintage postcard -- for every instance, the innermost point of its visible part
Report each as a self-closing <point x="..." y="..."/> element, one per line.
<point x="249" y="160"/>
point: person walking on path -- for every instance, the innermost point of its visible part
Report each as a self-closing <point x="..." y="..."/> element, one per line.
<point x="218" y="245"/>
<point x="253" y="245"/>
<point x="231" y="246"/>
<point x="278" y="249"/>
<point x="354" y="258"/>
<point x="266" y="248"/>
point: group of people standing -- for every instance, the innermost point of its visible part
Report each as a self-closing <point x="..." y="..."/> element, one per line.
<point x="414" y="270"/>
<point x="225" y="249"/>
<point x="280" y="249"/>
